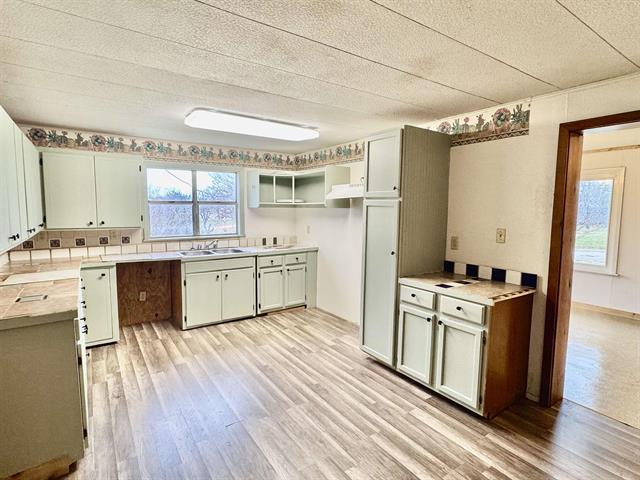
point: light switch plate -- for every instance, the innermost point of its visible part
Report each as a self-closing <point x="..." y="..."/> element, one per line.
<point x="142" y="296"/>
<point x="454" y="242"/>
<point x="501" y="235"/>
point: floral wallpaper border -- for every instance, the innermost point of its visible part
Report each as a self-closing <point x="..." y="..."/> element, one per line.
<point x="490" y="124"/>
<point x="192" y="152"/>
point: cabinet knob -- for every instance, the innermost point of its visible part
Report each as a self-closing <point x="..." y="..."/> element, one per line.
<point x="413" y="295"/>
<point x="393" y="253"/>
<point x="103" y="275"/>
<point x="226" y="275"/>
<point x="395" y="188"/>
<point x="102" y="222"/>
<point x="271" y="262"/>
<point x="217" y="277"/>
<point x="428" y="319"/>
<point x="459" y="308"/>
<point x="439" y="322"/>
<point x="41" y="225"/>
<point x="90" y="223"/>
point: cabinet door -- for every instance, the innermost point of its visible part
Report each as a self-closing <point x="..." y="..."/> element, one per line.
<point x="117" y="192"/>
<point x="459" y="360"/>
<point x="12" y="216"/>
<point x="379" y="283"/>
<point x="98" y="309"/>
<point x="69" y="190"/>
<point x="415" y="343"/>
<point x="21" y="226"/>
<point x="33" y="187"/>
<point x="296" y="285"/>
<point x="383" y="154"/>
<point x="203" y="298"/>
<point x="270" y="289"/>
<point x="238" y="293"/>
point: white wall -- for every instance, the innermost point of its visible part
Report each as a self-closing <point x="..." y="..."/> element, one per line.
<point x="621" y="292"/>
<point x="509" y="183"/>
<point x="338" y="234"/>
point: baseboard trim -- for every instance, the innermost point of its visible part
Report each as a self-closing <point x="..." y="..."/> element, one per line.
<point x="607" y="310"/>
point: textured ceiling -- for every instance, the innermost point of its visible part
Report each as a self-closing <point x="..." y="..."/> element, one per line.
<point x="347" y="67"/>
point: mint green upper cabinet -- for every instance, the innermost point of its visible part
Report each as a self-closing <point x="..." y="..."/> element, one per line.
<point x="83" y="191"/>
<point x="33" y="187"/>
<point x="383" y="154"/>
<point x="13" y="209"/>
<point x="69" y="190"/>
<point x="117" y="191"/>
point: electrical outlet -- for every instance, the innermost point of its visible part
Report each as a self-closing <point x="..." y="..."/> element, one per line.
<point x="454" y="242"/>
<point x="142" y="296"/>
<point x="501" y="235"/>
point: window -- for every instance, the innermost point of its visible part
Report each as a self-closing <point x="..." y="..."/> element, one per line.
<point x="188" y="202"/>
<point x="598" y="222"/>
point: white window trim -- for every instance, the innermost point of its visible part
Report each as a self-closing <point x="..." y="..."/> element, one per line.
<point x="193" y="167"/>
<point x="615" y="218"/>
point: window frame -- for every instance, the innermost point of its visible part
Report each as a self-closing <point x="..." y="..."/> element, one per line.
<point x="616" y="174"/>
<point x="194" y="168"/>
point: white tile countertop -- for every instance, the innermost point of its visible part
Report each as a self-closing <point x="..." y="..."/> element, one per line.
<point x="485" y="292"/>
<point x="55" y="281"/>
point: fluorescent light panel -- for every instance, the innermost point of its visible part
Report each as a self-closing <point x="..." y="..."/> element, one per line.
<point x="257" y="127"/>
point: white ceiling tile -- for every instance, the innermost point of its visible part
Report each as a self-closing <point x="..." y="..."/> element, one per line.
<point x="538" y="37"/>
<point x="617" y="21"/>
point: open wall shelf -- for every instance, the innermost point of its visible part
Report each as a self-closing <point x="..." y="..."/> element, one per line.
<point x="296" y="189"/>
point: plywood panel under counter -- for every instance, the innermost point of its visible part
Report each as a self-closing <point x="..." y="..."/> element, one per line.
<point x="146" y="291"/>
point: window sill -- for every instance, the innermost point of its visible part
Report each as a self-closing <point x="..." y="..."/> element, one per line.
<point x="581" y="269"/>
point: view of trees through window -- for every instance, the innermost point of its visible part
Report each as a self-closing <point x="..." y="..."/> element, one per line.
<point x="175" y="196"/>
<point x="594" y="213"/>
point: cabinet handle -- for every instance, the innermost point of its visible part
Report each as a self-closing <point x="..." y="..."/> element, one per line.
<point x="103" y="275"/>
<point x="459" y="308"/>
<point x="13" y="237"/>
<point x="102" y="222"/>
<point x="428" y="319"/>
<point x="393" y="253"/>
<point x="85" y="328"/>
<point x="395" y="188"/>
<point x="439" y="322"/>
<point x="217" y="277"/>
<point x="413" y="295"/>
<point x="90" y="223"/>
<point x="226" y="275"/>
<point x="271" y="262"/>
<point x="41" y="224"/>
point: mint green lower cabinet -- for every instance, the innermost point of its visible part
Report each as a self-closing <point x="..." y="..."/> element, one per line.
<point x="459" y="361"/>
<point x="238" y="293"/>
<point x="100" y="307"/>
<point x="270" y="289"/>
<point x="203" y="302"/>
<point x="415" y="343"/>
<point x="296" y="285"/>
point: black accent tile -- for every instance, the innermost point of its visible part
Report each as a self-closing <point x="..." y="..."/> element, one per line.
<point x="498" y="274"/>
<point x="27" y="245"/>
<point x="443" y="285"/>
<point x="472" y="270"/>
<point x="54" y="243"/>
<point x="529" y="280"/>
<point x="448" y="266"/>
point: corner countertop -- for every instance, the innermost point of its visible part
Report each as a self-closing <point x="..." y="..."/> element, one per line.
<point x="485" y="292"/>
<point x="56" y="282"/>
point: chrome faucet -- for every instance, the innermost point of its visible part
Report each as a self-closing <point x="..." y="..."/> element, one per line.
<point x="207" y="246"/>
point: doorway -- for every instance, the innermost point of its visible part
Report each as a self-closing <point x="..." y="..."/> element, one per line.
<point x="562" y="249"/>
<point x="603" y="353"/>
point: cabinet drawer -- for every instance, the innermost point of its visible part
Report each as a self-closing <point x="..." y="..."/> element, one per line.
<point x="198" y="266"/>
<point x="471" y="312"/>
<point x="272" y="261"/>
<point x="416" y="296"/>
<point x="294" y="258"/>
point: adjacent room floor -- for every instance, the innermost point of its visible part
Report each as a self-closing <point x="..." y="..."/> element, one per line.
<point x="603" y="364"/>
<point x="291" y="396"/>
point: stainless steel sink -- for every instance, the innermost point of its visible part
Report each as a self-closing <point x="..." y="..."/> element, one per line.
<point x="224" y="251"/>
<point x="197" y="253"/>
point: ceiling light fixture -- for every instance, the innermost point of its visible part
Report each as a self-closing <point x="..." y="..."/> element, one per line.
<point x="258" y="127"/>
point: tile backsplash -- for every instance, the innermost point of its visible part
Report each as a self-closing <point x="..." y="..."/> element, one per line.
<point x="64" y="244"/>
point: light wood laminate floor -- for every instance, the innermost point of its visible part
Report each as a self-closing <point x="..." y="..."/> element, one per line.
<point x="603" y="364"/>
<point x="291" y="396"/>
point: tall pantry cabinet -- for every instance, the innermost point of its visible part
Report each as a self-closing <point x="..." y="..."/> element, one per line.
<point x="405" y="225"/>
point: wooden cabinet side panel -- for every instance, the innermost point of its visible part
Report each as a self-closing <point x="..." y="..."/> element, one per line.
<point x="425" y="191"/>
<point x="507" y="353"/>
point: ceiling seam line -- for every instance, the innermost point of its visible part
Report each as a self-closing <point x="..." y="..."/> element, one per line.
<point x="184" y="96"/>
<point x="495" y="102"/>
<point x="346" y="52"/>
<point x="464" y="44"/>
<point x="597" y="34"/>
